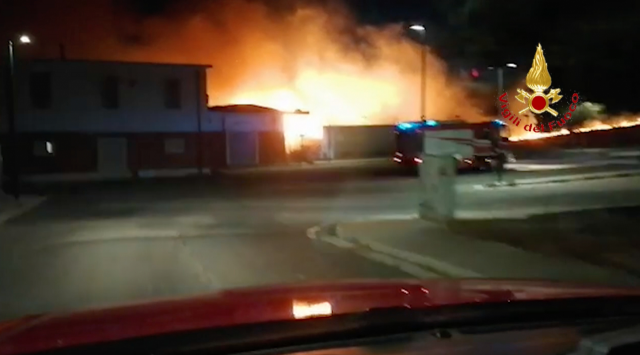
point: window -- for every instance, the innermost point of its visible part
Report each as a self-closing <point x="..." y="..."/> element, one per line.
<point x="40" y="90"/>
<point x="174" y="146"/>
<point x="43" y="148"/>
<point x="172" y="94"/>
<point x="110" y="94"/>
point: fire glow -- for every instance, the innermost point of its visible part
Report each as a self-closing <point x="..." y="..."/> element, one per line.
<point x="305" y="56"/>
<point x="308" y="57"/>
<point x="596" y="125"/>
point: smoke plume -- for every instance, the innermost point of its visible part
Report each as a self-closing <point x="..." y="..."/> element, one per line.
<point x="306" y="55"/>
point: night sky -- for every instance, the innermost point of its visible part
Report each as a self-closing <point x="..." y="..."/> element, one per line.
<point x="589" y="46"/>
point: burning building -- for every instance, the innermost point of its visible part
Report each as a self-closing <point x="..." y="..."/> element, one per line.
<point x="79" y="119"/>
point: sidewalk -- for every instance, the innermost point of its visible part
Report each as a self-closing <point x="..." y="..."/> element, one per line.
<point x="511" y="182"/>
<point x="457" y="252"/>
<point x="11" y="208"/>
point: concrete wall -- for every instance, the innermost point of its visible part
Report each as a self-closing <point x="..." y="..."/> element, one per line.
<point x="76" y="97"/>
<point x="347" y="142"/>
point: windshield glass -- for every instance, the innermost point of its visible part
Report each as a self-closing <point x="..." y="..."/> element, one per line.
<point x="168" y="149"/>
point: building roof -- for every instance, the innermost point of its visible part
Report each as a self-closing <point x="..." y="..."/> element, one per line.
<point x="121" y="62"/>
<point x="243" y="109"/>
<point x="250" y="109"/>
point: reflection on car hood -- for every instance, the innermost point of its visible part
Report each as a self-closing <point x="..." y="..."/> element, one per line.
<point x="255" y="305"/>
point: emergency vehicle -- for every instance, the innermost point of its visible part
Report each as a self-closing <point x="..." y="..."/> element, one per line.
<point x="481" y="155"/>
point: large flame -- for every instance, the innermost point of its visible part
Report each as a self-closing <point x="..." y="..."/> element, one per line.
<point x="310" y="57"/>
<point x="538" y="78"/>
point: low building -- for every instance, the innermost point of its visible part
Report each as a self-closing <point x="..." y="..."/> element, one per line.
<point x="253" y="135"/>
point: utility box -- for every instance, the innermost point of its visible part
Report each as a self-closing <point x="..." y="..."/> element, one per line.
<point x="438" y="183"/>
<point x="441" y="155"/>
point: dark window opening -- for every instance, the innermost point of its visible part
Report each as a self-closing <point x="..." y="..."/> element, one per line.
<point x="110" y="94"/>
<point x="40" y="90"/>
<point x="172" y="94"/>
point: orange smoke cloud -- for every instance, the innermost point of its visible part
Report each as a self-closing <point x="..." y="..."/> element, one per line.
<point x="303" y="59"/>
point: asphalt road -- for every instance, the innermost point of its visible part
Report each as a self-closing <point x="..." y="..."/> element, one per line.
<point x="95" y="246"/>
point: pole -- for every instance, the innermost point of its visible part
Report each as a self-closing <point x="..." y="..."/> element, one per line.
<point x="499" y="167"/>
<point x="423" y="82"/>
<point x="199" y="140"/>
<point x="12" y="156"/>
<point x="500" y="80"/>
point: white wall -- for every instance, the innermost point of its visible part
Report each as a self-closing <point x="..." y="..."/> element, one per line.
<point x="77" y="99"/>
<point x="242" y="122"/>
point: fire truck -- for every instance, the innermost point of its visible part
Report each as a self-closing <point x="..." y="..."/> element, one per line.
<point x="480" y="152"/>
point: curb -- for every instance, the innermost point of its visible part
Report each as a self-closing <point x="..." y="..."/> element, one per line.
<point x="22" y="207"/>
<point x="330" y="233"/>
<point x="565" y="179"/>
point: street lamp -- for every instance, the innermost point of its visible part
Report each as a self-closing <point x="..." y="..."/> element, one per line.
<point x="13" y="156"/>
<point x="422" y="31"/>
<point x="25" y="39"/>
<point x="500" y="71"/>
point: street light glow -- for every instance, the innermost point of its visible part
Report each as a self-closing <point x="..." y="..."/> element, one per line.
<point x="417" y="28"/>
<point x="512" y="65"/>
<point x="25" y="39"/>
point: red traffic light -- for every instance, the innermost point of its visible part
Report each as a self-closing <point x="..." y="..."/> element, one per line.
<point x="475" y="73"/>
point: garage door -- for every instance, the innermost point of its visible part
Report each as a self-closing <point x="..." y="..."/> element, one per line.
<point x="242" y="148"/>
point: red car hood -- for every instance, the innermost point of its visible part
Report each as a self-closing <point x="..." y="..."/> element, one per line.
<point x="245" y="306"/>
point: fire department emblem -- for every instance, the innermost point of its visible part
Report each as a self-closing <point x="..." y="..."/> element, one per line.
<point x="539" y="80"/>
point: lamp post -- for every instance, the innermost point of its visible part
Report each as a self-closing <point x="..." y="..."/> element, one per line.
<point x="501" y="155"/>
<point x="422" y="31"/>
<point x="14" y="175"/>
<point x="500" y="71"/>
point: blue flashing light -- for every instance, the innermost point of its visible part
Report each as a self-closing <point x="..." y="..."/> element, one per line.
<point x="406" y="126"/>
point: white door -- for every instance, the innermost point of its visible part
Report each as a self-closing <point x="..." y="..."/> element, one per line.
<point x="112" y="157"/>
